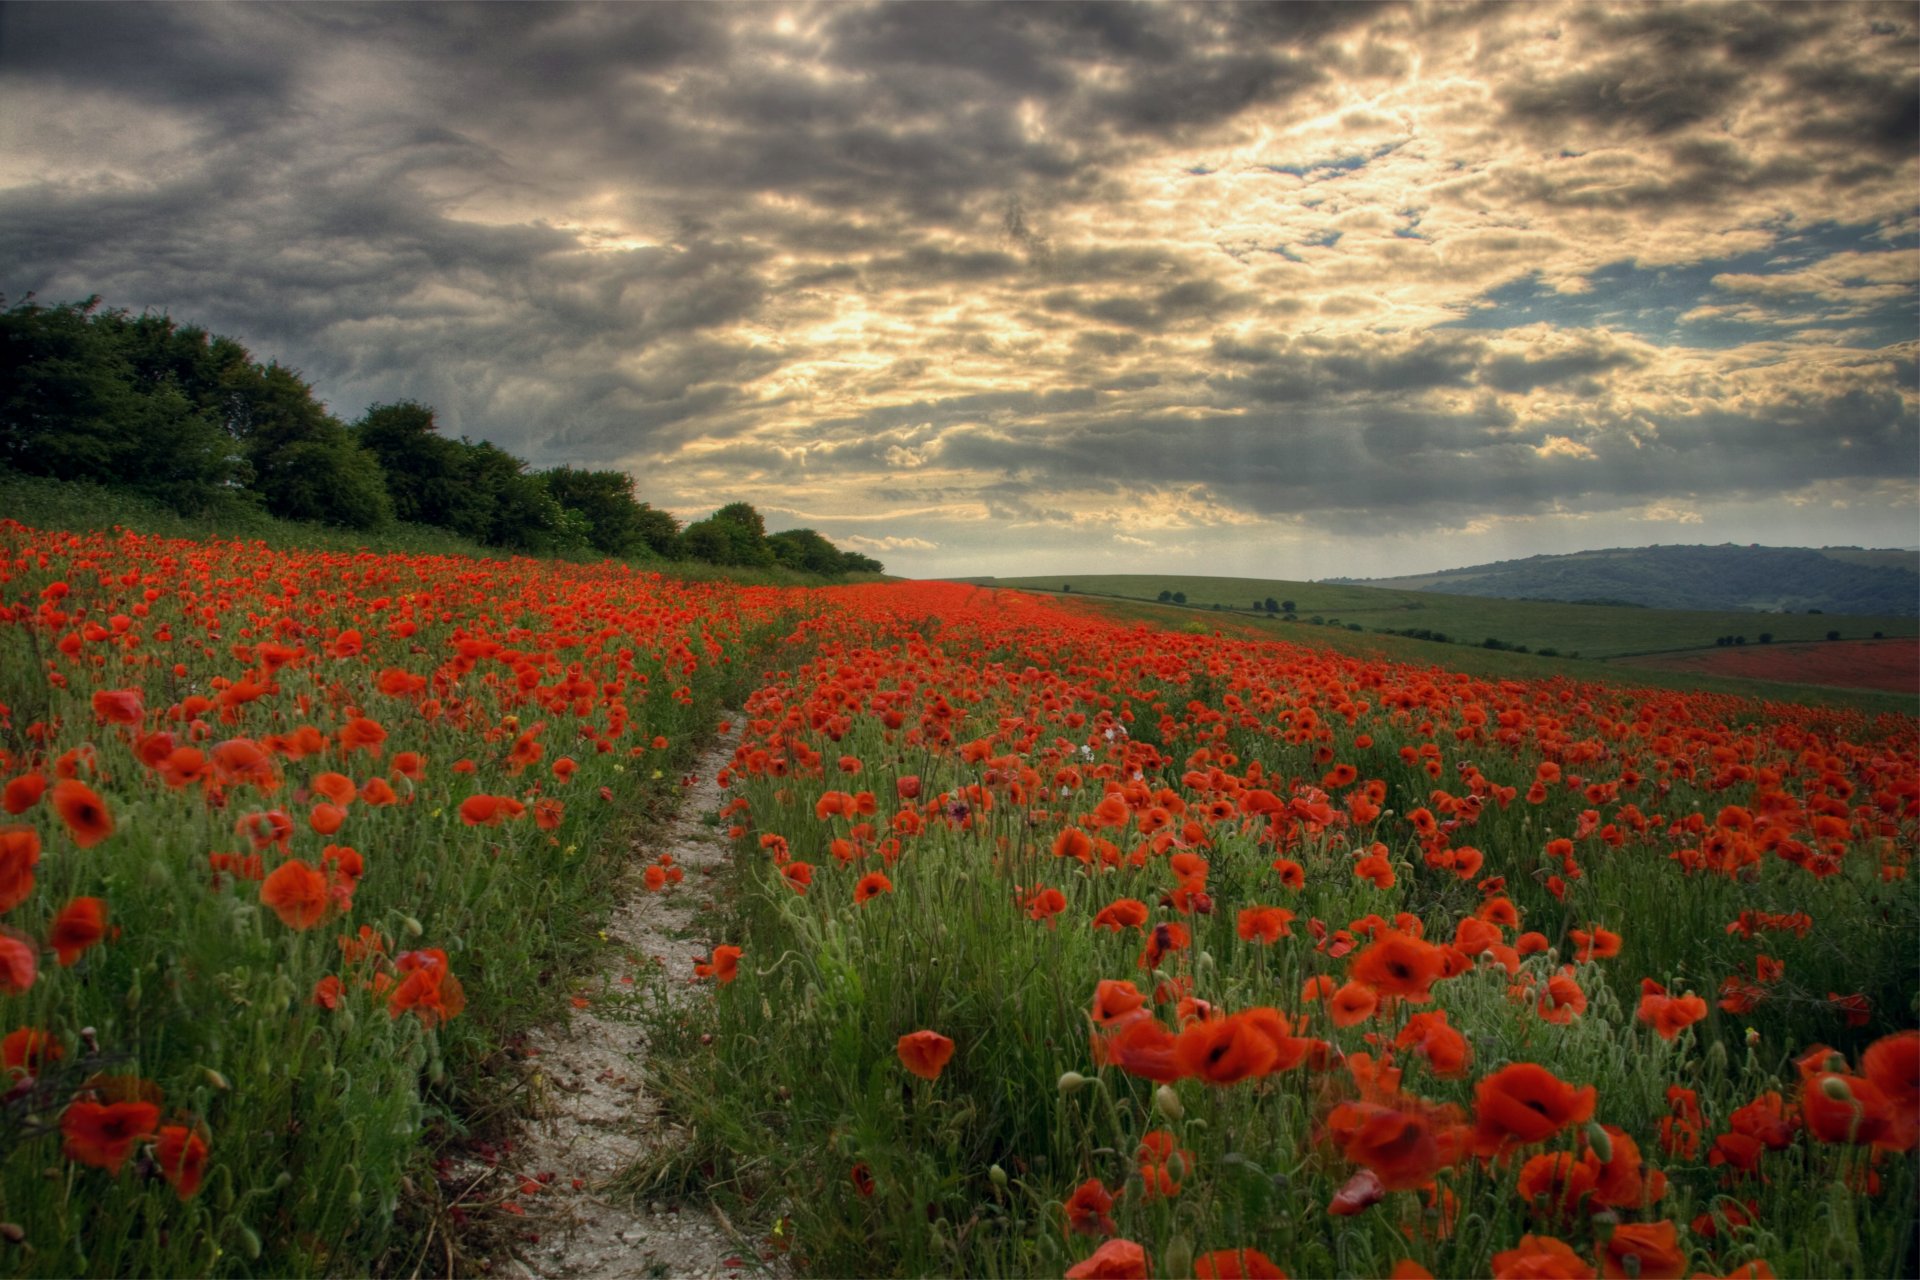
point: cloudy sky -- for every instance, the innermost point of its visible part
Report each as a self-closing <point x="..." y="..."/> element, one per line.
<point x="1291" y="291"/>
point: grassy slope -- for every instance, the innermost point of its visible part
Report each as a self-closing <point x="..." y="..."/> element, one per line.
<point x="1487" y="662"/>
<point x="1592" y="631"/>
<point x="76" y="505"/>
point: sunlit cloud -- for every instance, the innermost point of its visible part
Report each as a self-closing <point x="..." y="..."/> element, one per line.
<point x="1293" y="290"/>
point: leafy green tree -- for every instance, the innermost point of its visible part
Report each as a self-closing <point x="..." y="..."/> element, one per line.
<point x="604" y="500"/>
<point x="73" y="404"/>
<point x="806" y="551"/>
<point x="305" y="463"/>
<point x="424" y="469"/>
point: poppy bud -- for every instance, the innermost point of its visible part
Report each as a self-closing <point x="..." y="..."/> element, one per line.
<point x="1836" y="1088"/>
<point x="997" y="1176"/>
<point x="1753" y="1038"/>
<point x="1601" y="1141"/>
<point x="1178" y="1256"/>
<point x="412" y="926"/>
<point x="215" y="1079"/>
<point x="1072" y="1082"/>
<point x="1168" y="1104"/>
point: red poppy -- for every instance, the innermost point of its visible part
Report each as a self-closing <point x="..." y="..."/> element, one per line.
<point x="1525" y="1103"/>
<point x="1264" y="924"/>
<point x="1141" y="1047"/>
<point x="80" y="925"/>
<point x="925" y="1053"/>
<point x="19" y="963"/>
<point x="1644" y="1251"/>
<point x="1236" y="1264"/>
<point x="872" y="885"/>
<point x="488" y="810"/>
<point x="103" y="1135"/>
<point x="85" y="814"/>
<point x="1403" y="1144"/>
<point x="1540" y="1258"/>
<point x="1599" y="944"/>
<point x="1114" y="1000"/>
<point x="28" y="1049"/>
<point x="1353" y="1003"/>
<point x="23" y="792"/>
<point x="297" y="893"/>
<point x="1090" y="1209"/>
<point x="1114" y="1260"/>
<point x="429" y="988"/>
<point x="19" y="855"/>
<point x="724" y="967"/>
<point x="1222" y="1051"/>
<point x="118" y="706"/>
<point x="1398" y="964"/>
<point x="181" y="1154"/>
<point x="1127" y="913"/>
<point x="1445" y="1049"/>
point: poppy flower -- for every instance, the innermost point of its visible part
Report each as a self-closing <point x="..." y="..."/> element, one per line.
<point x="1353" y="1003"/>
<point x="1597" y="944"/>
<point x="1115" y="999"/>
<point x="1223" y="1051"/>
<point x="1045" y="904"/>
<point x="1404" y="1145"/>
<point x="1669" y="1015"/>
<point x="723" y="968"/>
<point x="85" y="814"/>
<point x="487" y="810"/>
<point x="28" y="1049"/>
<point x="1893" y="1064"/>
<point x="19" y="855"/>
<point x="429" y="989"/>
<point x="80" y="924"/>
<point x="1842" y="1108"/>
<point x="1264" y="924"/>
<point x="103" y="1135"/>
<point x="925" y="1053"/>
<point x="1445" y="1049"/>
<point x="873" y="884"/>
<point x="181" y="1154"/>
<point x="297" y="893"/>
<point x="1114" y="1260"/>
<point x="1644" y="1251"/>
<point x="23" y="792"/>
<point x="1127" y="913"/>
<point x="1141" y="1047"/>
<point x="1398" y="964"/>
<point x="19" y="963"/>
<point x="118" y="706"/>
<point x="1236" y="1264"/>
<point x="1166" y="937"/>
<point x="798" y="876"/>
<point x="1359" y="1193"/>
<point x="1074" y="843"/>
<point x="1540" y="1258"/>
<point x="1525" y="1103"/>
<point x="1089" y="1210"/>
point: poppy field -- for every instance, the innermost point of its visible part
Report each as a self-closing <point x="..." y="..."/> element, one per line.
<point x="1051" y="946"/>
<point x="1068" y="948"/>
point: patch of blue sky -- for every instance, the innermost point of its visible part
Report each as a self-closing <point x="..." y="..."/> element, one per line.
<point x="1333" y="167"/>
<point x="1654" y="302"/>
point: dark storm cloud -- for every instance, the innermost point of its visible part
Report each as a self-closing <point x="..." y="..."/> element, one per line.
<point x="994" y="256"/>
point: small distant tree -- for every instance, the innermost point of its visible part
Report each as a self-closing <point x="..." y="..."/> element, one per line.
<point x="1833" y="635"/>
<point x="1286" y="606"/>
<point x="1766" y="637"/>
<point x="1166" y="597"/>
<point x="1066" y="586"/>
<point x="1273" y="606"/>
<point x="1179" y="597"/>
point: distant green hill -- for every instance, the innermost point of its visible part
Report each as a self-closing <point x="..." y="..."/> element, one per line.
<point x="1837" y="580"/>
<point x="1542" y="626"/>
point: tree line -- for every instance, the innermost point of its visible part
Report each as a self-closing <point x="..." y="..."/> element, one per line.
<point x="190" y="419"/>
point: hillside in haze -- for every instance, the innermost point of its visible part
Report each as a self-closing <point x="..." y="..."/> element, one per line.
<point x="1841" y="580"/>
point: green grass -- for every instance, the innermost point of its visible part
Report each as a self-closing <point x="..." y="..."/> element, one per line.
<point x="1592" y="631"/>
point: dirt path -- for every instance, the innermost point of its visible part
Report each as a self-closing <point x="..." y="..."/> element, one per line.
<point x="592" y="1114"/>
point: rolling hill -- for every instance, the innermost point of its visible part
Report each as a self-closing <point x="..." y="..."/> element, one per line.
<point x="1836" y="580"/>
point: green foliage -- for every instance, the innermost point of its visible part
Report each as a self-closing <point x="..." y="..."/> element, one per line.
<point x="192" y="421"/>
<point x="86" y="394"/>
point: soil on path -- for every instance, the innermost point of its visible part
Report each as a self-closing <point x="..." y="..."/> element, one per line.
<point x="592" y="1116"/>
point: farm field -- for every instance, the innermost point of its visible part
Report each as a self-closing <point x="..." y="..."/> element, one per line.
<point x="1052" y="944"/>
<point x="1591" y="631"/>
<point x="1893" y="665"/>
